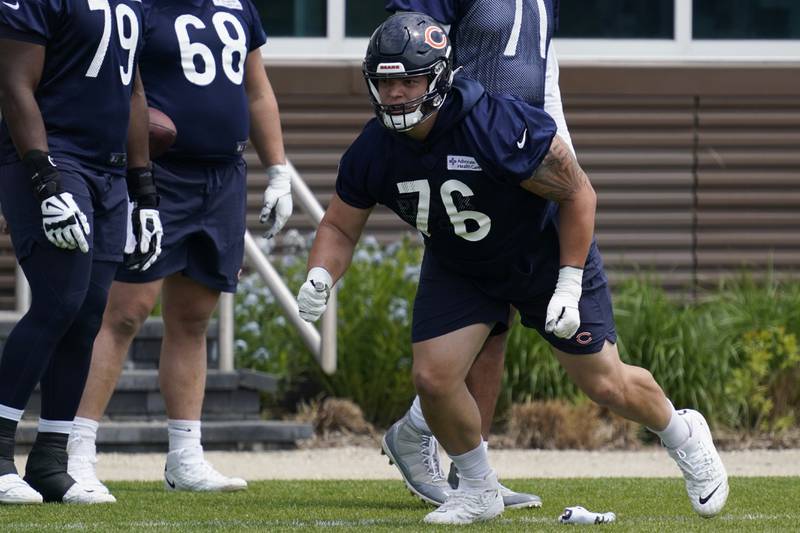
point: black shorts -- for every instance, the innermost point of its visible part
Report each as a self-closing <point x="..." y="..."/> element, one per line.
<point x="447" y="301"/>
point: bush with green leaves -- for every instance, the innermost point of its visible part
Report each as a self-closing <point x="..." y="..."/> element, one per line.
<point x="704" y="354"/>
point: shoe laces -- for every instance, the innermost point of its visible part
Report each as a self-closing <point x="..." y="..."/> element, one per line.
<point x="699" y="463"/>
<point x="472" y="502"/>
<point x="199" y="467"/>
<point x="430" y="457"/>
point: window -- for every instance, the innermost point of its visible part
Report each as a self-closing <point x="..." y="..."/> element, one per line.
<point x="627" y="19"/>
<point x="746" y="19"/>
<point x="293" y="18"/>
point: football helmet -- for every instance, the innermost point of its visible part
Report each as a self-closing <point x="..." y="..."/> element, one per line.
<point x="407" y="45"/>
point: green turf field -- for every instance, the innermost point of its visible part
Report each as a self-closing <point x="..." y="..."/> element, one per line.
<point x="659" y="505"/>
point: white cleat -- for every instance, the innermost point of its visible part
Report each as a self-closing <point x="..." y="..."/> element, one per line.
<point x="14" y="491"/>
<point x="706" y="479"/>
<point x="83" y="470"/>
<point x="186" y="469"/>
<point x="78" y="494"/>
<point x="473" y="501"/>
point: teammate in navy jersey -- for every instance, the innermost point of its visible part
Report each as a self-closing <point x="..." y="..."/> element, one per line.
<point x="202" y="67"/>
<point x="507" y="217"/>
<point x="74" y="117"/>
<point x="505" y="46"/>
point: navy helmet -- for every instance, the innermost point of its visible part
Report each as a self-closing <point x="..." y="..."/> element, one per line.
<point x="406" y="45"/>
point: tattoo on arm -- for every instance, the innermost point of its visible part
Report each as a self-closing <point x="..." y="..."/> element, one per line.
<point x="559" y="176"/>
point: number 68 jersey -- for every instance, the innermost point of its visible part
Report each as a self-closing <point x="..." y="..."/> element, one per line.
<point x="85" y="88"/>
<point x="460" y="186"/>
<point x="193" y="68"/>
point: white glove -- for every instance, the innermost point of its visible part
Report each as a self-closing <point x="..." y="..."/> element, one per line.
<point x="277" y="199"/>
<point x="313" y="296"/>
<point x="64" y="223"/>
<point x="563" y="317"/>
<point x="148" y="232"/>
<point x="580" y="515"/>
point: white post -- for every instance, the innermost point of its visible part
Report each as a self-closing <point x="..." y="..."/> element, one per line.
<point x="226" y="327"/>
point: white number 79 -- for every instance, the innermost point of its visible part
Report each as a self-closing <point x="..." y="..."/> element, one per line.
<point x="128" y="42"/>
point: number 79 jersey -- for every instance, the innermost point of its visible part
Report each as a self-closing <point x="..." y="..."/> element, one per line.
<point x="90" y="61"/>
<point x="460" y="187"/>
<point x="193" y="68"/>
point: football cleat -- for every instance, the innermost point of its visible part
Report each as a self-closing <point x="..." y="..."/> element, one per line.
<point x="186" y="469"/>
<point x="13" y="490"/>
<point x="416" y="456"/>
<point x="83" y="470"/>
<point x="46" y="472"/>
<point x="78" y="494"/>
<point x="511" y="499"/>
<point x="474" y="501"/>
<point x="706" y="479"/>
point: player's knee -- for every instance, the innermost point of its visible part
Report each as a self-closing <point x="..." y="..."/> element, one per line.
<point x="431" y="382"/>
<point x="125" y="321"/>
<point x="188" y="325"/>
<point x="605" y="392"/>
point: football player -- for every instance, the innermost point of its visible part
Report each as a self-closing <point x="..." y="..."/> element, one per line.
<point x="202" y="67"/>
<point x="71" y="99"/>
<point x="506" y="47"/>
<point x="507" y="217"/>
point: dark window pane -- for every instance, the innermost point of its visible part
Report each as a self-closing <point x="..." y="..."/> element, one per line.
<point x="620" y="19"/>
<point x="293" y="18"/>
<point x="363" y="16"/>
<point x="746" y="19"/>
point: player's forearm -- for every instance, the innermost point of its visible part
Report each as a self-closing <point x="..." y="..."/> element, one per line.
<point x="265" y="121"/>
<point x="20" y="69"/>
<point x="576" y="227"/>
<point x="332" y="250"/>
<point x="138" y="147"/>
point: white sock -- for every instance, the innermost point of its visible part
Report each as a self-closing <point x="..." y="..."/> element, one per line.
<point x="676" y="432"/>
<point x="55" y="426"/>
<point x="474" y="464"/>
<point x="83" y="436"/>
<point x="417" y="418"/>
<point x="183" y="434"/>
<point x="10" y="413"/>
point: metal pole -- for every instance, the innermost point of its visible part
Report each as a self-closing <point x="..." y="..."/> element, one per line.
<point x="226" y="327"/>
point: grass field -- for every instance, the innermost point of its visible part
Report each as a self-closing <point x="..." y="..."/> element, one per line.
<point x="658" y="505"/>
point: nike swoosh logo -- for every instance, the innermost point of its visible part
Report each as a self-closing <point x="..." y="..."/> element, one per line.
<point x="703" y="500"/>
<point x="170" y="483"/>
<point x="15" y="5"/>
<point x="521" y="142"/>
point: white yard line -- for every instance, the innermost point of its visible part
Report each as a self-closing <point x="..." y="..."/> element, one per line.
<point x="368" y="463"/>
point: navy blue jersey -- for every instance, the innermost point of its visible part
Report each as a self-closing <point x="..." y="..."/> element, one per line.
<point x="85" y="89"/>
<point x="460" y="187"/>
<point x="193" y="67"/>
<point x="502" y="44"/>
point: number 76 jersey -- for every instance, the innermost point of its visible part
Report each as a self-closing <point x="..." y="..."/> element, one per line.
<point x="87" y="78"/>
<point x="460" y="186"/>
<point x="193" y="68"/>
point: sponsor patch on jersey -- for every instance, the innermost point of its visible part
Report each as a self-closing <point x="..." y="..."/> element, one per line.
<point x="230" y="4"/>
<point x="462" y="162"/>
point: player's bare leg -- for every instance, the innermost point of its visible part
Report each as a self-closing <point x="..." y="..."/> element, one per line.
<point x="187" y="307"/>
<point x="633" y="393"/>
<point x="440" y="367"/>
<point x="484" y="381"/>
<point x="129" y="305"/>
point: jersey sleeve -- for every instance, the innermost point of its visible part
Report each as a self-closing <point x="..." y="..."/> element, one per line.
<point x="355" y="167"/>
<point x="510" y="137"/>
<point x="445" y="11"/>
<point x="33" y="21"/>
<point x="257" y="34"/>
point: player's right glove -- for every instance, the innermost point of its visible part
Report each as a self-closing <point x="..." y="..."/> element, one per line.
<point x="63" y="222"/>
<point x="563" y="317"/>
<point x="147" y="229"/>
<point x="313" y="296"/>
<point x="277" y="199"/>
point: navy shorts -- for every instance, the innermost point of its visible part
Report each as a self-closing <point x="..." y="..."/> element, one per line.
<point x="202" y="211"/>
<point x="102" y="196"/>
<point x="447" y="301"/>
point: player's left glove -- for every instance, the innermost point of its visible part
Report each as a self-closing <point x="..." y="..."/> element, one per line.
<point x="312" y="300"/>
<point x="147" y="229"/>
<point x="563" y="317"/>
<point x="277" y="199"/>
